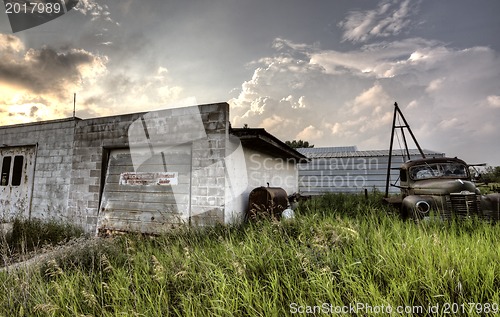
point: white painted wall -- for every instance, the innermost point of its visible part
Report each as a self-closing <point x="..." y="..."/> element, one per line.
<point x="259" y="169"/>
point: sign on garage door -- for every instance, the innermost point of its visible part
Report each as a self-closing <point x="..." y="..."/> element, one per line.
<point x="17" y="166"/>
<point x="147" y="198"/>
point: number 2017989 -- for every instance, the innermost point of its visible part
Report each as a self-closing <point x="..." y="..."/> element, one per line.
<point x="32" y="7"/>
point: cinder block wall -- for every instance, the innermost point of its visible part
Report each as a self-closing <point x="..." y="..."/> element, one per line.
<point x="208" y="174"/>
<point x="93" y="137"/>
<point x="72" y="156"/>
<point x="54" y="140"/>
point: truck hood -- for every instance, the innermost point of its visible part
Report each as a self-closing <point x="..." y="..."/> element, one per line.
<point x="443" y="186"/>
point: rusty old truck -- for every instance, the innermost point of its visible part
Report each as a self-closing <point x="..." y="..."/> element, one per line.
<point x="442" y="188"/>
<point x="439" y="187"/>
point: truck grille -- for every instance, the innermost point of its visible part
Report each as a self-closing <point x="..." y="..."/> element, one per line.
<point x="463" y="205"/>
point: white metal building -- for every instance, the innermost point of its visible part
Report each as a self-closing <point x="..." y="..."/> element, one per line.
<point x="345" y="169"/>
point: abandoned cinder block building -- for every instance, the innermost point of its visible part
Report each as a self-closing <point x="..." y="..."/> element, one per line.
<point x="141" y="172"/>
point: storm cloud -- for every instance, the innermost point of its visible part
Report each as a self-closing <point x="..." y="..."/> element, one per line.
<point x="35" y="79"/>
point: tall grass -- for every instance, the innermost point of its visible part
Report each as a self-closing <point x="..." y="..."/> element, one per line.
<point x="339" y="250"/>
<point x="29" y="235"/>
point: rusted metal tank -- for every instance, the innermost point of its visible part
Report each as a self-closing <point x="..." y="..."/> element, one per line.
<point x="266" y="202"/>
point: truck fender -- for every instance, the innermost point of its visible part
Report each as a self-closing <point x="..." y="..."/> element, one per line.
<point x="417" y="206"/>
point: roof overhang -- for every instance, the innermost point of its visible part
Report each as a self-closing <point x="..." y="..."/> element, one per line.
<point x="259" y="139"/>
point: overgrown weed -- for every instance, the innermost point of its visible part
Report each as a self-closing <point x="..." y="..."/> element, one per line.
<point x="339" y="250"/>
<point x="29" y="235"/>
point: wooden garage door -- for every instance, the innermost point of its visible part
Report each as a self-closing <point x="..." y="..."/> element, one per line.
<point x="17" y="167"/>
<point x="149" y="198"/>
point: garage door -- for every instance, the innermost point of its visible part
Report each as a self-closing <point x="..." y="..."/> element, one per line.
<point x="149" y="196"/>
<point x="17" y="166"/>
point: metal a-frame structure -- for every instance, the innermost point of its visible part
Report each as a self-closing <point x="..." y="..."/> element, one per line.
<point x="402" y="127"/>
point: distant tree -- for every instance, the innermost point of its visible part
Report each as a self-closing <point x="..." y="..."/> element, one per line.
<point x="298" y="144"/>
<point x="245" y="126"/>
<point x="491" y="175"/>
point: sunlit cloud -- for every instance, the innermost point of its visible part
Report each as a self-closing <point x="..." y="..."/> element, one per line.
<point x="310" y="133"/>
<point x="95" y="10"/>
<point x="389" y="18"/>
<point x="38" y="84"/>
<point x="347" y="97"/>
<point x="494" y="101"/>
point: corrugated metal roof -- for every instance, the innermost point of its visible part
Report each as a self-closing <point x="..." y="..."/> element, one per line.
<point x="329" y="152"/>
<point x="326" y="150"/>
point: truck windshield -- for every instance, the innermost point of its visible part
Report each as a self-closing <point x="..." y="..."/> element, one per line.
<point x="435" y="170"/>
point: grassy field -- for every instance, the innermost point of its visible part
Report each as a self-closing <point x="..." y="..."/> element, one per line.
<point x="341" y="255"/>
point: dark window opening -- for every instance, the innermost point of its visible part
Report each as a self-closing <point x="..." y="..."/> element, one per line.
<point x="402" y="175"/>
<point x="17" y="170"/>
<point x="4" y="181"/>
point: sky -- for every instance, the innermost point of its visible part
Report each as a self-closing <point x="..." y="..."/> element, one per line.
<point x="324" y="71"/>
